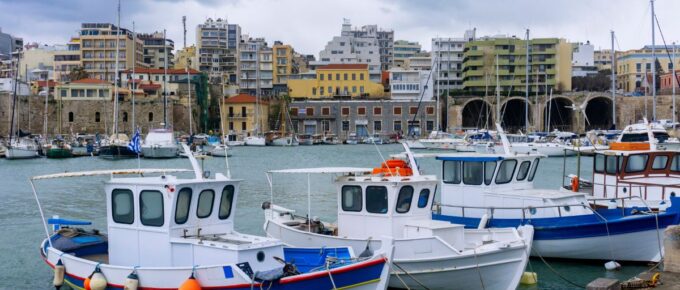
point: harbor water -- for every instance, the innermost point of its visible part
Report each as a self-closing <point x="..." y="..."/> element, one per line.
<point x="21" y="231"/>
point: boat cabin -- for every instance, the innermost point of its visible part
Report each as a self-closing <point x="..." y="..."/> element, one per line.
<point x="653" y="175"/>
<point x="473" y="183"/>
<point x="166" y="221"/>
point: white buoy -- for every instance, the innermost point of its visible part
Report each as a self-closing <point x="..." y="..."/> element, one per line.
<point x="98" y="281"/>
<point x="59" y="271"/>
<point x="131" y="282"/>
<point x="612" y="265"/>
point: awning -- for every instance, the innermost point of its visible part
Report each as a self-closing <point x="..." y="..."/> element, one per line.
<point x="470" y="158"/>
<point x="108" y="172"/>
<point x="323" y="170"/>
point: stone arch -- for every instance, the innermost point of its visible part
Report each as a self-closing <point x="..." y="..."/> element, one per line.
<point x="599" y="112"/>
<point x="512" y="114"/>
<point x="558" y="114"/>
<point x="477" y="113"/>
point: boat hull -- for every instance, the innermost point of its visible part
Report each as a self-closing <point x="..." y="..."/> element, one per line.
<point x="285" y="141"/>
<point x="115" y="152"/>
<point x="20" y="153"/>
<point x="413" y="144"/>
<point x="255" y="141"/>
<point x="159" y="151"/>
<point x="59" y="153"/>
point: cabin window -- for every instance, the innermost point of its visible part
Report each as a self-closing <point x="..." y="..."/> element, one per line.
<point x="351" y="198"/>
<point x="452" y="172"/>
<point x="122" y="207"/>
<point x="151" y="208"/>
<point x="533" y="170"/>
<point x="675" y="165"/>
<point x="599" y="163"/>
<point x="660" y="162"/>
<point x="423" y="198"/>
<point x="205" y="203"/>
<point x="489" y="168"/>
<point x="472" y="173"/>
<point x="611" y="166"/>
<point x="523" y="170"/>
<point x="376" y="199"/>
<point x="636" y="163"/>
<point x="505" y="171"/>
<point x="226" y="202"/>
<point x="404" y="199"/>
<point x="182" y="206"/>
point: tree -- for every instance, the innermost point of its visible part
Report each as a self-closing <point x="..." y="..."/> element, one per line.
<point x="78" y="73"/>
<point x="598" y="83"/>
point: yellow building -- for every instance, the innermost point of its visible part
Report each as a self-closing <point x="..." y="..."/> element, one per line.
<point x="239" y="115"/>
<point x="98" y="50"/>
<point x="283" y="62"/>
<point x="631" y="66"/>
<point x="337" y="80"/>
<point x="184" y="55"/>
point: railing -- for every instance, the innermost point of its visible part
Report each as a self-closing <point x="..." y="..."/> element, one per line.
<point x="639" y="186"/>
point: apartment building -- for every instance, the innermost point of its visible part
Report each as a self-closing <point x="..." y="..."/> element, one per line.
<point x="98" y="50"/>
<point x="9" y="44"/>
<point x="155" y="47"/>
<point x="419" y="61"/>
<point x="385" y="43"/>
<point x="256" y="67"/>
<point x="37" y="62"/>
<point x="447" y="61"/>
<point x="403" y="50"/>
<point x="603" y="58"/>
<point x="336" y="81"/>
<point x="549" y="64"/>
<point x="67" y="60"/>
<point x="583" y="60"/>
<point x="283" y="62"/>
<point x="243" y="114"/>
<point x="217" y="43"/>
<point x="409" y="84"/>
<point x="632" y="65"/>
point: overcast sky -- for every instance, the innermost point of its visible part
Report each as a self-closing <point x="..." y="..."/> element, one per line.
<point x="309" y="24"/>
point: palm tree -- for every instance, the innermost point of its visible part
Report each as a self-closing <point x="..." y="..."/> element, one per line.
<point x="78" y="73"/>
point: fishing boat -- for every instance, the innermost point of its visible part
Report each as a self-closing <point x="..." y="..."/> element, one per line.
<point x="394" y="200"/>
<point x="160" y="143"/>
<point x="234" y="140"/>
<point x="441" y="140"/>
<point x="352" y="139"/>
<point x="639" y="132"/>
<point x="169" y="232"/>
<point x="58" y="149"/>
<point x="373" y="139"/>
<point x="330" y="139"/>
<point x="317" y="139"/>
<point x="116" y="147"/>
<point x="305" y="139"/>
<point x="84" y="145"/>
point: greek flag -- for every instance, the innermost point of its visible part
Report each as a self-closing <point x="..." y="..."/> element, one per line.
<point x="135" y="144"/>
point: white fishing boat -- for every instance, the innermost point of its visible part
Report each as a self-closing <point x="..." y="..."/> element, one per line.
<point x="352" y="139"/>
<point x="220" y="150"/>
<point x="441" y="140"/>
<point x="639" y="133"/>
<point x="395" y="200"/>
<point x="169" y="232"/>
<point x="22" y="148"/>
<point x="305" y="139"/>
<point x="373" y="139"/>
<point x="160" y="143"/>
<point x="254" y="140"/>
<point x="234" y="140"/>
<point x="330" y="139"/>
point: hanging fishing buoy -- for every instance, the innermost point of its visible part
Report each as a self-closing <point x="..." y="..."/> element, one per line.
<point x="98" y="281"/>
<point x="190" y="284"/>
<point x="58" y="275"/>
<point x="132" y="281"/>
<point x="86" y="283"/>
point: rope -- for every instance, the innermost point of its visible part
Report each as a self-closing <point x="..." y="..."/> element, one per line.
<point x="330" y="275"/>
<point x="410" y="276"/>
<point x="399" y="277"/>
<point x="479" y="271"/>
<point x="555" y="271"/>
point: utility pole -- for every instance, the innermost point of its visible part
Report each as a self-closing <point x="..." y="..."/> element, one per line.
<point x="613" y="76"/>
<point x="526" y="88"/>
<point x="653" y="64"/>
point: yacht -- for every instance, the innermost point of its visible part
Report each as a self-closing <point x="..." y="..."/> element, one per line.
<point x="160" y="143"/>
<point x="22" y="148"/>
<point x="116" y="147"/>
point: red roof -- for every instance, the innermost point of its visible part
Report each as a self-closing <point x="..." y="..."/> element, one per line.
<point x="90" y="81"/>
<point x="171" y="71"/>
<point x="52" y="83"/>
<point x="149" y="86"/>
<point x="243" y="99"/>
<point x="345" y="66"/>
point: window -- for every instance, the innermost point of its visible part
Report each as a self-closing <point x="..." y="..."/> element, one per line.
<point x="452" y="172"/>
<point x="361" y="89"/>
<point x="354" y="89"/>
<point x="321" y="91"/>
<point x="412" y="110"/>
<point x="361" y="76"/>
<point x="314" y="91"/>
<point x="150" y="117"/>
<point x="377" y="126"/>
<point x="321" y="77"/>
<point x="345" y="76"/>
<point x="97" y="117"/>
<point x="533" y="170"/>
<point x="636" y="163"/>
<point x="489" y="168"/>
<point x="429" y="125"/>
<point x="293" y="111"/>
<point x="326" y="111"/>
<point x="472" y="172"/>
<point x="337" y="76"/>
<point x="523" y="170"/>
<point x="345" y="111"/>
<point x="599" y="163"/>
<point x="345" y="125"/>
<point x="351" y="198"/>
<point x="675" y="165"/>
<point x="70" y="117"/>
<point x="505" y="171"/>
<point x="429" y="110"/>
<point x="231" y="125"/>
<point x="205" y="203"/>
<point x="244" y="126"/>
<point x="376" y="199"/>
<point x="397" y="126"/>
<point x="122" y="206"/>
<point x="151" y="208"/>
<point x="226" y="201"/>
<point x="396" y="111"/>
<point x="610" y="165"/>
<point x="377" y="111"/>
<point x="309" y="111"/>
<point x="354" y="77"/>
<point x="404" y="199"/>
<point x="660" y="162"/>
<point x="183" y="205"/>
<point x="330" y="78"/>
<point x="361" y="111"/>
<point x="244" y="112"/>
<point x="423" y="198"/>
<point x="125" y="117"/>
<point x="62" y="93"/>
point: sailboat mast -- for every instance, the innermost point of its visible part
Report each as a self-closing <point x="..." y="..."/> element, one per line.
<point x="257" y="89"/>
<point x="653" y="64"/>
<point x="165" y="83"/>
<point x="498" y="94"/>
<point x="134" y="64"/>
<point x="14" y="100"/>
<point x="115" y="78"/>
<point x="674" y="83"/>
<point x="613" y="77"/>
<point x="191" y="125"/>
<point x="526" y="87"/>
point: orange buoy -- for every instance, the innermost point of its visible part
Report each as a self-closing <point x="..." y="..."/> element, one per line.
<point x="86" y="283"/>
<point x="190" y="284"/>
<point x="574" y="183"/>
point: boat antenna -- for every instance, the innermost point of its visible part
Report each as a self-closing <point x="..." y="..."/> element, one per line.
<point x="504" y="139"/>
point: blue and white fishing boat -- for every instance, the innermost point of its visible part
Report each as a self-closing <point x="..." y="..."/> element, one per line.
<point x="168" y="232"/>
<point x="395" y="200"/>
<point x="497" y="190"/>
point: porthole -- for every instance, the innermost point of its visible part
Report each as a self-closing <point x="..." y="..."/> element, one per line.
<point x="532" y="210"/>
<point x="260" y="256"/>
<point x="567" y="208"/>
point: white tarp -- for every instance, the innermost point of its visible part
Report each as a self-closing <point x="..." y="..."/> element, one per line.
<point x="324" y="170"/>
<point x="108" y="172"/>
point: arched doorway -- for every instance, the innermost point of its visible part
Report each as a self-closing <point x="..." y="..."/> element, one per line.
<point x="558" y="115"/>
<point x="513" y="115"/>
<point x="599" y="113"/>
<point x="477" y="114"/>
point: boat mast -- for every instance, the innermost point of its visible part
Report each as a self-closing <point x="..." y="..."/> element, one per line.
<point x="165" y="83"/>
<point x="653" y="65"/>
<point x="184" y="25"/>
<point x="526" y="87"/>
<point x="674" y="83"/>
<point x="134" y="64"/>
<point x="14" y="100"/>
<point x="257" y="89"/>
<point x="613" y="76"/>
<point x="498" y="94"/>
<point x="115" y="85"/>
<point x="47" y="94"/>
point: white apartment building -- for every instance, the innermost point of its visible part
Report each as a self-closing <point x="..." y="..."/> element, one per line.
<point x="403" y="50"/>
<point x="217" y="44"/>
<point x="256" y="67"/>
<point x="420" y="61"/>
<point x="447" y="62"/>
<point x="411" y="85"/>
<point x="583" y="59"/>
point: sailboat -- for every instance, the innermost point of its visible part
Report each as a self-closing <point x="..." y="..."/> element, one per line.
<point x="116" y="147"/>
<point x="21" y="147"/>
<point x="283" y="137"/>
<point x="221" y="149"/>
